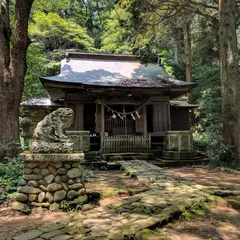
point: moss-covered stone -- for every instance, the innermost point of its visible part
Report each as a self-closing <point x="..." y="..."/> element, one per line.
<point x="147" y="234"/>
<point x="21" y="197"/>
<point x="217" y="200"/>
<point x="20" y="207"/>
<point x="52" y="157"/>
<point x="109" y="193"/>
<point x="233" y="203"/>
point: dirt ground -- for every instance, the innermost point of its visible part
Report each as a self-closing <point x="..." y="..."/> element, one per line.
<point x="221" y="223"/>
<point x="209" y="177"/>
<point x="12" y="222"/>
<point x="112" y="185"/>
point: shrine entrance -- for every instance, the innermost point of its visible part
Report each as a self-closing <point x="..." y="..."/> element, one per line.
<point x="121" y="118"/>
<point x="116" y="124"/>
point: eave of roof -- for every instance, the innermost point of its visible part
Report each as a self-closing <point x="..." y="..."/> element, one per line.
<point x="182" y="104"/>
<point x="47" y="102"/>
<point x="41" y="102"/>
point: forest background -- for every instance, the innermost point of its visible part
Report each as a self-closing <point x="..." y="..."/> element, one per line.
<point x="196" y="40"/>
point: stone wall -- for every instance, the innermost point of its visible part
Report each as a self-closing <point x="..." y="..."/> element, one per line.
<point x="48" y="183"/>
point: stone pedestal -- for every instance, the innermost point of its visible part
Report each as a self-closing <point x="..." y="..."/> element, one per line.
<point x="51" y="147"/>
<point x="179" y="145"/>
<point x="178" y="141"/>
<point x="80" y="139"/>
<point x="49" y="179"/>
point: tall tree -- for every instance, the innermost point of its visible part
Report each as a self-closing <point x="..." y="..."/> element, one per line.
<point x="188" y="56"/>
<point x="12" y="71"/>
<point x="229" y="70"/>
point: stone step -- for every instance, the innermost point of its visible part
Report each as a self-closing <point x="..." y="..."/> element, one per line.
<point x="179" y="159"/>
<point x="177" y="163"/>
<point x="113" y="166"/>
<point x="179" y="155"/>
<point x="96" y="164"/>
<point x="89" y="156"/>
<point x="127" y="156"/>
<point x="103" y="165"/>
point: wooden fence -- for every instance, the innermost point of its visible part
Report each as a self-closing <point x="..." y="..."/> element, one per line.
<point x="125" y="143"/>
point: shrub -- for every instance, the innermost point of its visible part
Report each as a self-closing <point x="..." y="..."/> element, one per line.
<point x="200" y="141"/>
<point x="209" y="116"/>
<point x="10" y="175"/>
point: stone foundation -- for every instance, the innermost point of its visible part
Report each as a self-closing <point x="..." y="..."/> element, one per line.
<point x="47" y="183"/>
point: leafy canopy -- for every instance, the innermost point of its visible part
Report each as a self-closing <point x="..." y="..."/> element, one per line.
<point x="55" y="32"/>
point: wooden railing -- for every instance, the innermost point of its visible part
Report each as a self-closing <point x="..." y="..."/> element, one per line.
<point x="125" y="143"/>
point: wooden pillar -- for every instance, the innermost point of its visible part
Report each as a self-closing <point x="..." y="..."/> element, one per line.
<point x="139" y="122"/>
<point x="158" y="118"/>
<point x="98" y="118"/>
<point x="102" y="120"/>
<point x="145" y="120"/>
<point x="79" y="117"/>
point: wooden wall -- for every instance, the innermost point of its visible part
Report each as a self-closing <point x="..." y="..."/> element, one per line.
<point x="161" y="115"/>
<point x="78" y="109"/>
<point x="140" y="122"/>
<point x="180" y="118"/>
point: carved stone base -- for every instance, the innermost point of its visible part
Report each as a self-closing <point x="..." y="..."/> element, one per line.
<point x="51" y="147"/>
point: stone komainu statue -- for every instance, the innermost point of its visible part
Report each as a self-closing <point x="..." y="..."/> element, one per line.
<point x="51" y="128"/>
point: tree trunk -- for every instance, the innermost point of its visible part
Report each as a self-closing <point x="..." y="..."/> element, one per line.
<point x="229" y="69"/>
<point x="188" y="62"/>
<point x="188" y="56"/>
<point x="12" y="72"/>
<point x="176" y="52"/>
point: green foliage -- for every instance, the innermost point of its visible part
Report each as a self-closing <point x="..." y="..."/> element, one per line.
<point x="116" y="37"/>
<point x="50" y="5"/>
<point x="55" y="32"/>
<point x="208" y="114"/>
<point x="65" y="206"/>
<point x="10" y="175"/>
<point x="36" y="61"/>
<point x="51" y="35"/>
<point x="40" y="63"/>
<point x="196" y="209"/>
<point x="200" y="141"/>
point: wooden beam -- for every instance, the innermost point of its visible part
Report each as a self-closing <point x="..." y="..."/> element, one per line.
<point x="145" y="120"/>
<point x="79" y="118"/>
<point x="98" y="118"/>
<point x="102" y="120"/>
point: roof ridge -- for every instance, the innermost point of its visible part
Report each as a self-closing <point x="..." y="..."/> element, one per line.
<point x="106" y="56"/>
